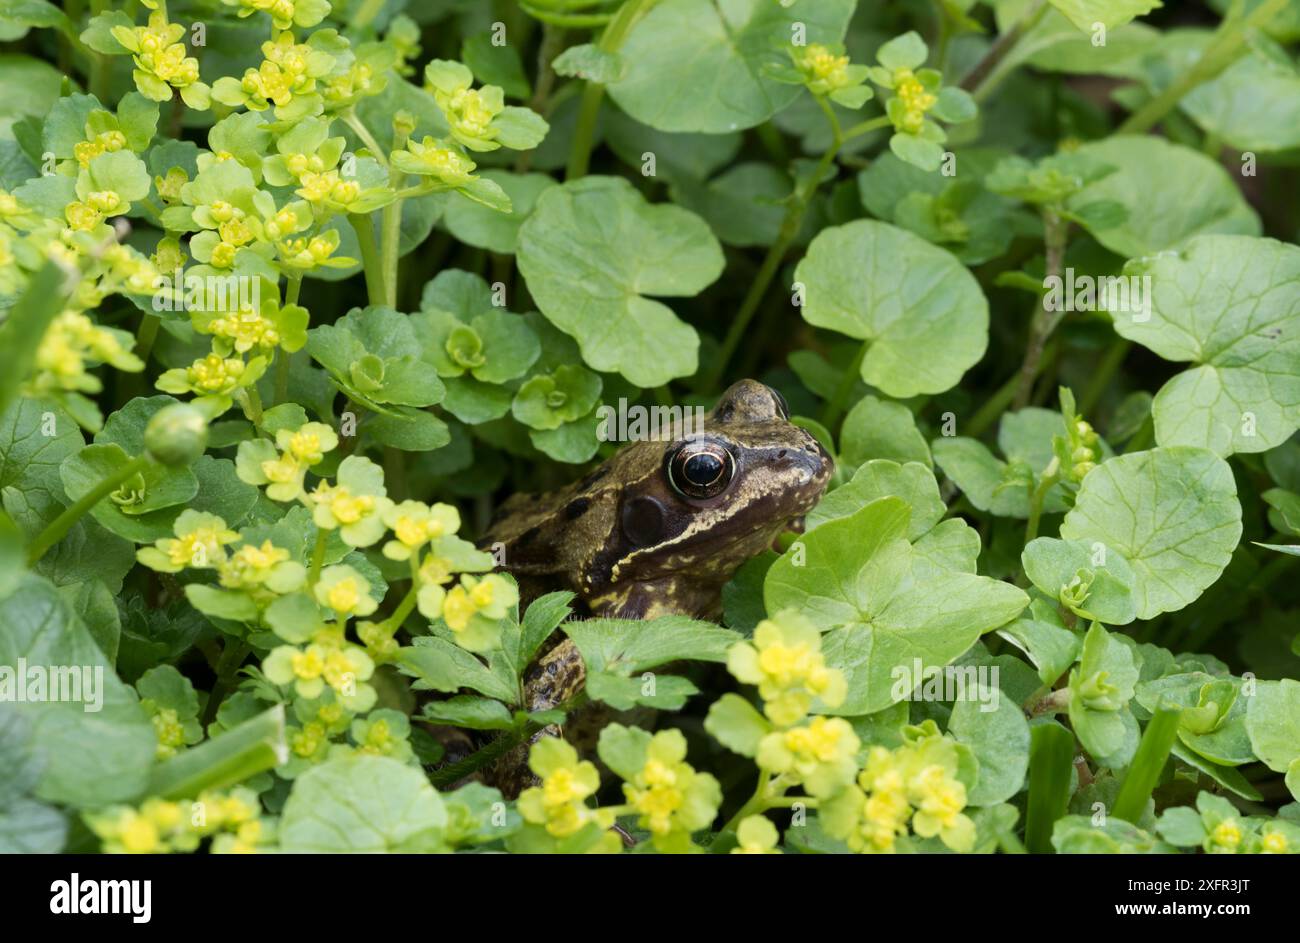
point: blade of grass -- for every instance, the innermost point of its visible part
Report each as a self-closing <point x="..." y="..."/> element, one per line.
<point x="1051" y="754"/>
<point x="1148" y="762"/>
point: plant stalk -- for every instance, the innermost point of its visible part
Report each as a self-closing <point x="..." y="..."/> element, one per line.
<point x="59" y="527"/>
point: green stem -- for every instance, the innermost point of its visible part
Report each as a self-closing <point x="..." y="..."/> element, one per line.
<point x="758" y="802"/>
<point x="1105" y="373"/>
<point x="1045" y="321"/>
<point x="865" y="127"/>
<point x="982" y="79"/>
<point x="352" y="121"/>
<point x="408" y="602"/>
<point x="835" y="405"/>
<point x="145" y="336"/>
<point x="59" y="527"/>
<point x="370" y="260"/>
<point x="1149" y="761"/>
<point x="1051" y="755"/>
<point x="317" y="557"/>
<point x="1226" y="47"/>
<point x="1050" y="477"/>
<point x="391" y="225"/>
<point x="790" y="225"/>
<point x="611" y="40"/>
<point x="232" y="657"/>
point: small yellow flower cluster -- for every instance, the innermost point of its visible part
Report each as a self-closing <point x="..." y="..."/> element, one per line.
<point x="161" y="62"/>
<point x="414" y="524"/>
<point x="328" y="189"/>
<point x="823" y="69"/>
<point x="820" y="755"/>
<point x="159" y="826"/>
<point x="71" y="344"/>
<point x="672" y="799"/>
<point x="245" y="329"/>
<point x="200" y="543"/>
<point x="916" y="100"/>
<point x="283" y="467"/>
<point x="786" y="663"/>
<point x="559" y="804"/>
<point x="327" y="660"/>
<point x="472" y="609"/>
<point x="86" y="215"/>
<point x="916" y="785"/>
<point x="289" y="69"/>
<point x="263" y="570"/>
<point x="106" y="142"/>
<point x="433" y="158"/>
<point x="284" y="13"/>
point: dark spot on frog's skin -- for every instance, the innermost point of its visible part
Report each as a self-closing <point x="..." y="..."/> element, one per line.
<point x="594" y="477"/>
<point x="528" y="536"/>
<point x="576" y="508"/>
<point x="643" y="521"/>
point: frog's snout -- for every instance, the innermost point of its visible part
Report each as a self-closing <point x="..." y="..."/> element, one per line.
<point x="810" y="462"/>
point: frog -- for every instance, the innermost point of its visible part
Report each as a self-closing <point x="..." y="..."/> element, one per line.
<point x="660" y="527"/>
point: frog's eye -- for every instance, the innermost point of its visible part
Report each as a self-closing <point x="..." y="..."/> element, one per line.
<point x="700" y="469"/>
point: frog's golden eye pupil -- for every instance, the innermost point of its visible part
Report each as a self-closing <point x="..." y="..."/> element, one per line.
<point x="700" y="469"/>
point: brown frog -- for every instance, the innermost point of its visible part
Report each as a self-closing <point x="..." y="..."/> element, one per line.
<point x="661" y="526"/>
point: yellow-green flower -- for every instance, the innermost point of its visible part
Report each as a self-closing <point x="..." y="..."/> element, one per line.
<point x="670" y="797"/>
<point x="473" y="610"/>
<point x="559" y="803"/>
<point x="346" y="591"/>
<point x="433" y="158"/>
<point x="786" y="663"/>
<point x="414" y="524"/>
<point x="200" y="543"/>
<point x="283" y="467"/>
<point x="355" y="505"/>
<point x="756" y="836"/>
<point x="71" y="345"/>
<point x="342" y="666"/>
<point x="261" y="568"/>
<point x="286" y="79"/>
<point x="284" y="13"/>
<point x="821" y="755"/>
<point x="161" y="63"/>
<point x="214" y="377"/>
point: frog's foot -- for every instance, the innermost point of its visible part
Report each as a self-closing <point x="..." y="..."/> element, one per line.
<point x="555" y="678"/>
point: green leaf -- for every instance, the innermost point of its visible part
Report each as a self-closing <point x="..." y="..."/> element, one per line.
<point x="1100" y="689"/>
<point x="1273" y="722"/>
<point x="476" y="713"/>
<point x="695" y="66"/>
<point x="362" y="804"/>
<point x="1093" y="581"/>
<point x="589" y="62"/>
<point x="1044" y="638"/>
<point x="886" y="286"/>
<point x="913" y="482"/>
<point x="879" y="428"/>
<point x="999" y="738"/>
<point x="737" y="724"/>
<point x="98" y="748"/>
<point x="630" y="646"/>
<point x="1171" y="193"/>
<point x="163" y="486"/>
<point x="1213" y="724"/>
<point x="440" y="665"/>
<point x="1086" y="14"/>
<point x="252" y="747"/>
<point x="884" y="604"/>
<point x="590" y="253"/>
<point x="476" y="225"/>
<point x="1254" y="105"/>
<point x="1172" y="513"/>
<point x="1229" y="305"/>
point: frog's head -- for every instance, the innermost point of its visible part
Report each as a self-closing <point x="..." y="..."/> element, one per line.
<point x="698" y="506"/>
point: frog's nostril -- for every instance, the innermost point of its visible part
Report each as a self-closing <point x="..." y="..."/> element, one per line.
<point x="781" y="454"/>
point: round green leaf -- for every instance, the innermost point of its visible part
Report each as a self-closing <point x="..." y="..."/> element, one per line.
<point x="1171" y="193"/>
<point x="590" y="253"/>
<point x="920" y="308"/>
<point x="1230" y="305"/>
<point x="695" y="65"/>
<point x="1172" y="513"/>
